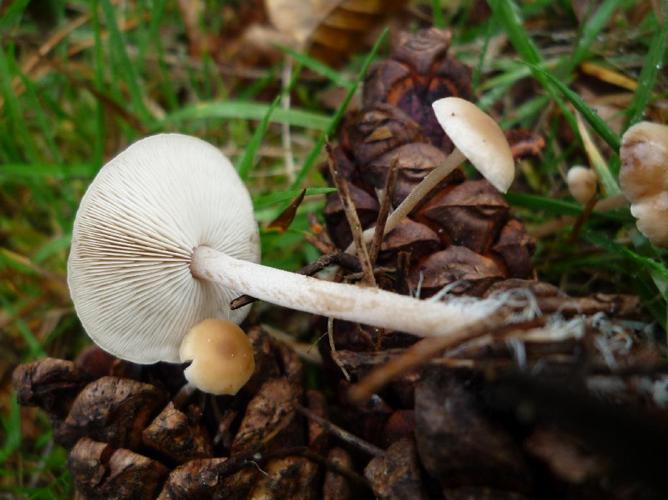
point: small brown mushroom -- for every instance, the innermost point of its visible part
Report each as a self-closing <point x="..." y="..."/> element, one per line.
<point x="581" y="183"/>
<point x="221" y="355"/>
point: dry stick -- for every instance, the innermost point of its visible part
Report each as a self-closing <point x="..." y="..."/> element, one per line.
<point x="353" y="220"/>
<point x="415" y="355"/>
<point x="384" y="211"/>
<point x="582" y="218"/>
<point x="340" y="258"/>
<point x="332" y="348"/>
<point x="342" y="434"/>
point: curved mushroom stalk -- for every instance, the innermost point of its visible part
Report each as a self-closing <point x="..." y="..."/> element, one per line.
<point x="477" y="137"/>
<point x="165" y="237"/>
<point x="370" y="306"/>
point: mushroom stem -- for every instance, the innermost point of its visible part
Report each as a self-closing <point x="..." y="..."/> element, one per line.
<point x="370" y="306"/>
<point x="417" y="194"/>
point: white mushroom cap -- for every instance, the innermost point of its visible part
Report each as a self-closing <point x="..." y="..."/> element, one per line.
<point x="644" y="178"/>
<point x="221" y="355"/>
<point x="479" y="138"/>
<point x="581" y="183"/>
<point x="134" y="233"/>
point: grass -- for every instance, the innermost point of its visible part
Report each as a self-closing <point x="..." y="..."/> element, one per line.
<point x="121" y="71"/>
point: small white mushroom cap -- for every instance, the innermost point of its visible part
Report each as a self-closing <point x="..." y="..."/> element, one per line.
<point x="479" y="138"/>
<point x="644" y="178"/>
<point x="134" y="233"/>
<point x="581" y="183"/>
<point x="221" y="357"/>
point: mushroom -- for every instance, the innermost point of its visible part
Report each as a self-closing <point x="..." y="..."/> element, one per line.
<point x="165" y="237"/>
<point x="476" y="136"/>
<point x="221" y="356"/>
<point x="581" y="183"/>
<point x="644" y="178"/>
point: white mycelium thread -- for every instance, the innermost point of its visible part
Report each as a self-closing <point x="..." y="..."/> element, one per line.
<point x="134" y="234"/>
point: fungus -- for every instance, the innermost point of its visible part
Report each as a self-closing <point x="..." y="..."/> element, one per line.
<point x="644" y="178"/>
<point x="165" y="237"/>
<point x="221" y="356"/>
<point x="476" y="137"/>
<point x="581" y="183"/>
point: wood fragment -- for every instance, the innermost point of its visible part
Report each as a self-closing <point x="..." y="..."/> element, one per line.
<point x="416" y="355"/>
<point x="342" y="434"/>
<point x="353" y="220"/>
<point x="383" y="212"/>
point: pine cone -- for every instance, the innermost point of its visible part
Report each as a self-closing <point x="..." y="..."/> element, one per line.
<point x="132" y="434"/>
<point x="447" y="429"/>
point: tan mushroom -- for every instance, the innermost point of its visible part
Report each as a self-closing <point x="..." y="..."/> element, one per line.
<point x="478" y="138"/>
<point x="582" y="183"/>
<point x="221" y="356"/>
<point x="644" y="178"/>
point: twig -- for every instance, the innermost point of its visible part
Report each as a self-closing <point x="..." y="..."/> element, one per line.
<point x="342" y="434"/>
<point x="385" y="205"/>
<point x="332" y="348"/>
<point x="582" y="218"/>
<point x="353" y="220"/>
<point x="416" y="355"/>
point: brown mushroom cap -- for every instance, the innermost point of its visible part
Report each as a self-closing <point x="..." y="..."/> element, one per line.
<point x="221" y="355"/>
<point x="479" y="138"/>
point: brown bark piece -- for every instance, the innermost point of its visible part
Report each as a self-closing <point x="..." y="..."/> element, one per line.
<point x="567" y="459"/>
<point x="457" y="444"/>
<point x="336" y="486"/>
<point x="471" y="214"/>
<point x="396" y="474"/>
<point x="516" y="248"/>
<point x="317" y="434"/>
<point x="112" y="410"/>
<point x="366" y="207"/>
<point x="51" y="384"/>
<point x="100" y="471"/>
<point x="475" y="272"/>
<point x="409" y="236"/>
<point x="203" y="478"/>
<point x="269" y="413"/>
<point x="176" y="435"/>
<point x="287" y="478"/>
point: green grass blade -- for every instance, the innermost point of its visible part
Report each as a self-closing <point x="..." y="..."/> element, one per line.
<point x="595" y="121"/>
<point x="118" y="48"/>
<point x="318" y="67"/>
<point x="650" y="265"/>
<point x="591" y="29"/>
<point x="553" y="206"/>
<point x="334" y="122"/>
<point x="648" y="75"/>
<point x="11" y="426"/>
<point x="244" y="110"/>
<point x="12" y="15"/>
<point x="17" y="123"/>
<point x="248" y="158"/>
<point x="506" y="12"/>
<point x="437" y="13"/>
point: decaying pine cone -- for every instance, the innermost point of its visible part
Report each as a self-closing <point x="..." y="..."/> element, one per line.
<point x="133" y="434"/>
<point x="463" y="231"/>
